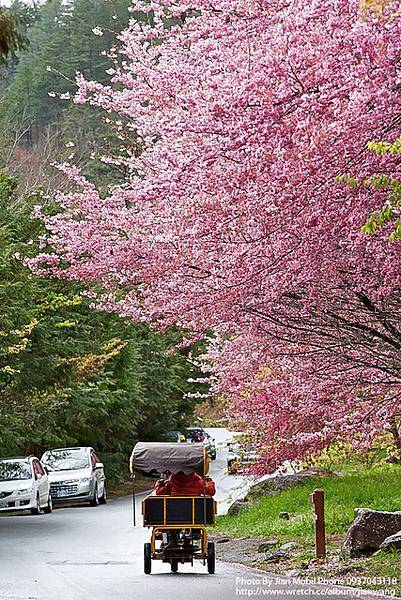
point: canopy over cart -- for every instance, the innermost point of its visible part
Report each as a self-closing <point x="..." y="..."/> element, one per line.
<point x="172" y="457"/>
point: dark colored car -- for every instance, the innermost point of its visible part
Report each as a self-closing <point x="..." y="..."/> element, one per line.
<point x="174" y="436"/>
<point x="199" y="435"/>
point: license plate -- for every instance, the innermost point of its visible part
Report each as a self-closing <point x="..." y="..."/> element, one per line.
<point x="61" y="493"/>
<point x="3" y="504"/>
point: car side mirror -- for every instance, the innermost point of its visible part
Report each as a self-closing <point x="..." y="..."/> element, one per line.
<point x="99" y="466"/>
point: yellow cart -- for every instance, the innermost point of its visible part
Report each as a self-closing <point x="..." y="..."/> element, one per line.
<point x="178" y="523"/>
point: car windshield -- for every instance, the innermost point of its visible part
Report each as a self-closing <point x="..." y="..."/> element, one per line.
<point x="65" y="460"/>
<point x="14" y="470"/>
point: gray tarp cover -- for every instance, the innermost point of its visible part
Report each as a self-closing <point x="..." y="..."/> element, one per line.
<point x="163" y="457"/>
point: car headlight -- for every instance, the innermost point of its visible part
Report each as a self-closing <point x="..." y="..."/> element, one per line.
<point x="24" y="491"/>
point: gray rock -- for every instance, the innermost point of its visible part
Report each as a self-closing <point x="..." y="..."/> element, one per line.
<point x="266" y="546"/>
<point x="273" y="557"/>
<point x="278" y="483"/>
<point x="288" y="546"/>
<point x="393" y="542"/>
<point x="237" y="506"/>
<point x="284" y="515"/>
<point x="369" y="531"/>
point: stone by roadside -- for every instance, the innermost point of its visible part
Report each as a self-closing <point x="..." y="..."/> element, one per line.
<point x="279" y="483"/>
<point x="275" y="485"/>
<point x="371" y="530"/>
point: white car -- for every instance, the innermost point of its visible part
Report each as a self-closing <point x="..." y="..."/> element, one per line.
<point x="75" y="475"/>
<point x="24" y="485"/>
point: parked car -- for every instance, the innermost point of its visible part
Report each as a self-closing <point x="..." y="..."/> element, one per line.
<point x="174" y="436"/>
<point x="75" y="475"/>
<point x="198" y="434"/>
<point x="240" y="456"/>
<point x="24" y="485"/>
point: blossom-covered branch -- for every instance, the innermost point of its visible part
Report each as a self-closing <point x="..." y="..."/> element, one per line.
<point x="230" y="219"/>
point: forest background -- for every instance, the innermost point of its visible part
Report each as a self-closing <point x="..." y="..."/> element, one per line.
<point x="69" y="375"/>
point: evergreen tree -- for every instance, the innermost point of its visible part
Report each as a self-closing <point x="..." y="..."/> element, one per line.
<point x="62" y="42"/>
<point x="72" y="375"/>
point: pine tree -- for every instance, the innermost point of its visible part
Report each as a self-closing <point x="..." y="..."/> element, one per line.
<point x="72" y="375"/>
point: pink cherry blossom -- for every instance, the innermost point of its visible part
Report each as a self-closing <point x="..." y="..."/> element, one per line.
<point x="231" y="219"/>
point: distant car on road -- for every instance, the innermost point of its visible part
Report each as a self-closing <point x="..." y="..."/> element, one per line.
<point x="24" y="485"/>
<point x="198" y="434"/>
<point x="75" y="475"/>
<point x="174" y="436"/>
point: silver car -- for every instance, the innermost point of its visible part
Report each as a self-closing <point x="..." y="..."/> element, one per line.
<point x="24" y="485"/>
<point x="75" y="475"/>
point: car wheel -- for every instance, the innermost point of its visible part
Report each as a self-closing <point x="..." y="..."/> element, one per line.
<point x="103" y="497"/>
<point x="49" y="506"/>
<point x="147" y="559"/>
<point x="95" y="499"/>
<point x="35" y="510"/>
<point x="211" y="558"/>
<point x="174" y="566"/>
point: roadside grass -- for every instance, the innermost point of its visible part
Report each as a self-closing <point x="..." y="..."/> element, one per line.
<point x="378" y="488"/>
<point x="357" y="486"/>
<point x="384" y="571"/>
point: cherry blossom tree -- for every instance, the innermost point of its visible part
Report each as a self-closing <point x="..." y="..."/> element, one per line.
<point x="238" y="120"/>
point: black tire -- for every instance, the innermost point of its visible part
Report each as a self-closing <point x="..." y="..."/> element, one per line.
<point x="174" y="566"/>
<point x="36" y="509"/>
<point x="103" y="498"/>
<point x="211" y="558"/>
<point x="147" y="559"/>
<point x="95" y="499"/>
<point x="49" y="506"/>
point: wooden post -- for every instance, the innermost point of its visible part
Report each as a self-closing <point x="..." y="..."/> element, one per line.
<point x="317" y="498"/>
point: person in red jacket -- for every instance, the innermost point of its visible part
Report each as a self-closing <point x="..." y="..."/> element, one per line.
<point x="180" y="484"/>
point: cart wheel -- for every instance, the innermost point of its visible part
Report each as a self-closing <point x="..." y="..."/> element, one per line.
<point x="147" y="559"/>
<point x="211" y="558"/>
<point x="174" y="566"/>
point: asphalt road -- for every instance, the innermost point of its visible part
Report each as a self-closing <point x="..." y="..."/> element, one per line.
<point x="83" y="553"/>
<point x="228" y="487"/>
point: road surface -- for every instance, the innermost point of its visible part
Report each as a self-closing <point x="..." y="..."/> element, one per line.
<point x="228" y="487"/>
<point x="83" y="553"/>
